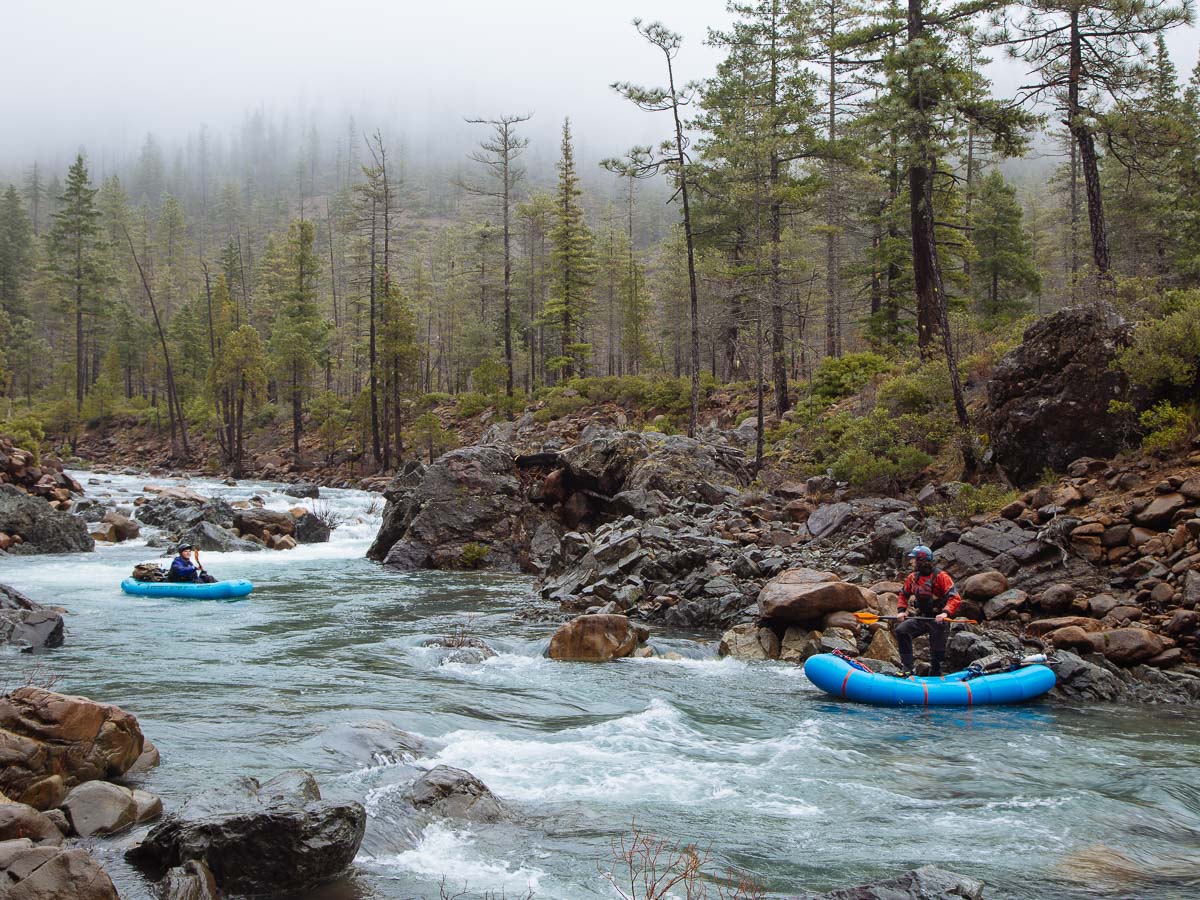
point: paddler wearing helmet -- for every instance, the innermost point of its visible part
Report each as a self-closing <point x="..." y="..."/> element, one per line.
<point x="929" y="597"/>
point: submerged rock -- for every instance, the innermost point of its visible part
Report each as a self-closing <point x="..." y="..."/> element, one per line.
<point x="275" y="839"/>
<point x="595" y="638"/>
<point x="26" y="624"/>
<point x="925" y="883"/>
<point x="456" y="794"/>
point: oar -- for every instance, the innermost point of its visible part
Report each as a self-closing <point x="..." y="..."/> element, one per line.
<point x="869" y="618"/>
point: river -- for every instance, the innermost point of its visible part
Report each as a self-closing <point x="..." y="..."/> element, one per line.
<point x="748" y="760"/>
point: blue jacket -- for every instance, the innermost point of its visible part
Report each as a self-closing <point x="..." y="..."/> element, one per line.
<point x="182" y="570"/>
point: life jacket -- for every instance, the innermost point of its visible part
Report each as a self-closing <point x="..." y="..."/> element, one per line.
<point x="928" y="604"/>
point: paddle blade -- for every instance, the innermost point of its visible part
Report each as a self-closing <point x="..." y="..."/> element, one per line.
<point x="867" y="618"/>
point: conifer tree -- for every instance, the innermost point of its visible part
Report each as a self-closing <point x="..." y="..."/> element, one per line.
<point x="1005" y="267"/>
<point x="299" y="333"/>
<point x="574" y="266"/>
<point x="77" y="257"/>
<point x="16" y="248"/>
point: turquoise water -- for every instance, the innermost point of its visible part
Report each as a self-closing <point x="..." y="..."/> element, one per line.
<point x="746" y="759"/>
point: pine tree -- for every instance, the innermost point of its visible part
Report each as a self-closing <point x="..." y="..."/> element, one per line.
<point x="1083" y="51"/>
<point x="77" y="257"/>
<point x="16" y="249"/>
<point x="34" y="192"/>
<point x="1005" y="267"/>
<point x="574" y="266"/>
<point x="299" y="334"/>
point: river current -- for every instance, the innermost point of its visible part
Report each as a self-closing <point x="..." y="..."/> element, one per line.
<point x="748" y="760"/>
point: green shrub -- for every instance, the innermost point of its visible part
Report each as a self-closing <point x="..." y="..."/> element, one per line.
<point x="1167" y="426"/>
<point x="473" y="555"/>
<point x="267" y="414"/>
<point x="434" y="398"/>
<point x="1166" y="351"/>
<point x="838" y="377"/>
<point x="974" y="501"/>
<point x="872" y="452"/>
<point x="471" y="403"/>
<point x="26" y="432"/>
<point x="918" y="391"/>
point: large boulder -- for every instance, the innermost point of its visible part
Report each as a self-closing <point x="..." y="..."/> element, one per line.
<point x="608" y="461"/>
<point x="1127" y="646"/>
<point x="263" y="523"/>
<point x="31" y="629"/>
<point x="30" y="872"/>
<point x="175" y="511"/>
<point x="214" y="538"/>
<point x="469" y="510"/>
<point x="1048" y="399"/>
<point x="456" y="794"/>
<point x="43" y="529"/>
<point x="19" y="820"/>
<point x="98" y="807"/>
<point x="594" y="638"/>
<point x="51" y="742"/>
<point x="751" y="642"/>
<point x="806" y="595"/>
<point x="925" y="883"/>
<point x="274" y="839"/>
<point x="312" y="529"/>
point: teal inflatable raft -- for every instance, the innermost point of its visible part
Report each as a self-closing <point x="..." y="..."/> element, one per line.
<point x="840" y="677"/>
<point x="217" y="590"/>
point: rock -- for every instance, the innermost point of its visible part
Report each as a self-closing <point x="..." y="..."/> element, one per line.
<point x="211" y="538"/>
<point x="828" y="519"/>
<point x="191" y="881"/>
<point x="1039" y="627"/>
<point x="274" y="840"/>
<point x="640" y="503"/>
<point x="148" y="806"/>
<point x="98" y="808"/>
<point x="805" y="595"/>
<point x="51" y="742"/>
<point x="984" y="585"/>
<point x="1172" y="656"/>
<point x="1191" y="488"/>
<point x="1048" y="400"/>
<point x="42" y="528"/>
<point x="312" y="529"/>
<point x="281" y="542"/>
<point x="303" y="490"/>
<point x="1079" y="679"/>
<point x="925" y="883"/>
<point x="1057" y="598"/>
<point x="29" y="872"/>
<point x="1002" y="604"/>
<point x="124" y="528"/>
<point x="1127" y="646"/>
<point x="31" y="630"/>
<point x="263" y="522"/>
<point x="19" y="820"/>
<point x="595" y="638"/>
<point x="1070" y="637"/>
<point x="883" y="647"/>
<point x="1183" y="621"/>
<point x="470" y="496"/>
<point x="749" y="641"/>
<point x="798" y="644"/>
<point x="148" y="759"/>
<point x="455" y="794"/>
<point x="1101" y="605"/>
<point x="1160" y="510"/>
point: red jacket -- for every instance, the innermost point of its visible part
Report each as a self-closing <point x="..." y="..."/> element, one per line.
<point x="937" y="585"/>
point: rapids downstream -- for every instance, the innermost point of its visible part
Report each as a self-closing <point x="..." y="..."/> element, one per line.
<point x="749" y="760"/>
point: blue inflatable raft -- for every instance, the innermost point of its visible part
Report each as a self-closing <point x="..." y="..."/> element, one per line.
<point x="837" y="676"/>
<point x="217" y="590"/>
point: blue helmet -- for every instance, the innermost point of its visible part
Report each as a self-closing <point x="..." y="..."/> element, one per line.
<point x="921" y="553"/>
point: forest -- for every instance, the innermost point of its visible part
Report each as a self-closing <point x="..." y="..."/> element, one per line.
<point x="846" y="194"/>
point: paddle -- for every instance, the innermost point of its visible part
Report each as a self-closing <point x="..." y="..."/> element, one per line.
<point x="869" y="618"/>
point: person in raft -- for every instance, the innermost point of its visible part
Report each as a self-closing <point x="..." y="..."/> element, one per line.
<point x="187" y="567"/>
<point x="930" y="594"/>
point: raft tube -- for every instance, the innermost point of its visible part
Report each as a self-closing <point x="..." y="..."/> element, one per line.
<point x="836" y="676"/>
<point x="217" y="590"/>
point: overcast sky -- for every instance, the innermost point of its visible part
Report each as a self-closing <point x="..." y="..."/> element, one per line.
<point x="103" y="73"/>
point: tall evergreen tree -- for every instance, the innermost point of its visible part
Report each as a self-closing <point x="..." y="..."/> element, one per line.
<point x="1005" y="269"/>
<point x="16" y="249"/>
<point x="574" y="265"/>
<point x="78" y="258"/>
